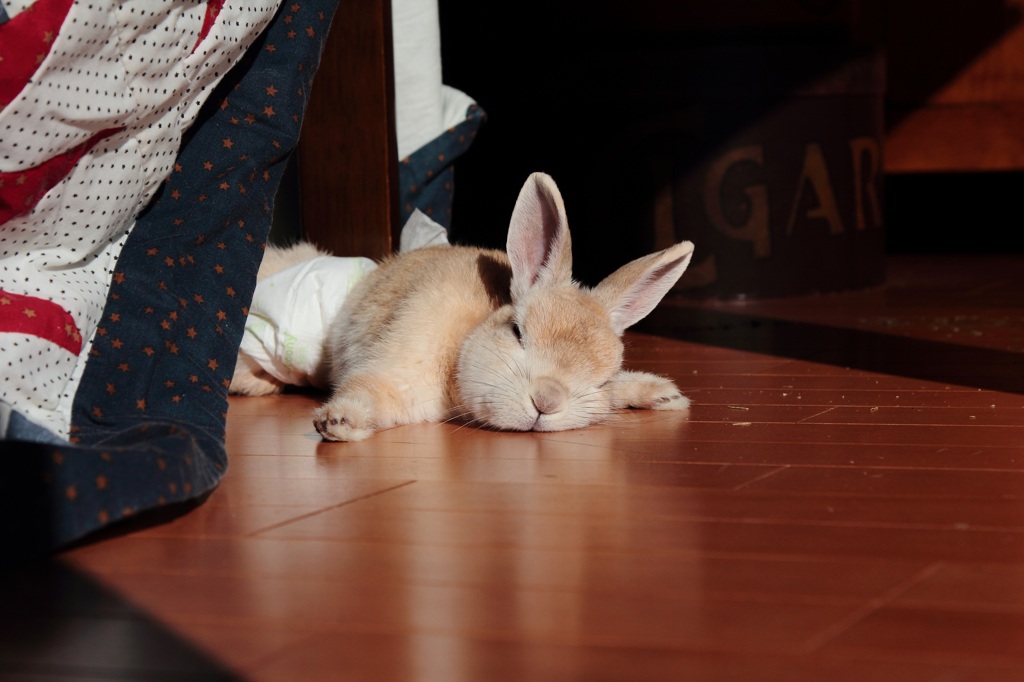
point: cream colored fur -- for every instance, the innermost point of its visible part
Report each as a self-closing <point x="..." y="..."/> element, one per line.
<point x="503" y="340"/>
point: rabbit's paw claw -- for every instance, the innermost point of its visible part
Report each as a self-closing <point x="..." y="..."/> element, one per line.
<point x="673" y="401"/>
<point x="343" y="420"/>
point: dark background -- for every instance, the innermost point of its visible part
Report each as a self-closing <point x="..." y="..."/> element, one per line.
<point x="528" y="69"/>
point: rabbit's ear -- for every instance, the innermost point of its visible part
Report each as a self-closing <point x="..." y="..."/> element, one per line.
<point x="539" y="247"/>
<point x="632" y="291"/>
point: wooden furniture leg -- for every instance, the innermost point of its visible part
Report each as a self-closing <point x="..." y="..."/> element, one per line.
<point x="347" y="156"/>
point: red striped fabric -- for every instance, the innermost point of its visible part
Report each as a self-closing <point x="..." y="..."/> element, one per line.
<point x="21" y="190"/>
<point x="25" y="41"/>
<point x="39" y="317"/>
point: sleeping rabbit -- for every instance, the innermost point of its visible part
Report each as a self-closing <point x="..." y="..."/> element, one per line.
<point x="505" y="340"/>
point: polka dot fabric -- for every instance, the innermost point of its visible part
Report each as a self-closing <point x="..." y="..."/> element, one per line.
<point x="146" y="410"/>
<point x="96" y="97"/>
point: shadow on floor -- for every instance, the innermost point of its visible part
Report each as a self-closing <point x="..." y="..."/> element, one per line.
<point x="56" y="623"/>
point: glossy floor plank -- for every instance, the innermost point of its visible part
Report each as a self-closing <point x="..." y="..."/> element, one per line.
<point x="843" y="501"/>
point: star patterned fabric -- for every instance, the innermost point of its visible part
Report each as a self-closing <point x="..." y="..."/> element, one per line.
<point x="129" y="250"/>
<point x="427" y="176"/>
<point x="95" y="98"/>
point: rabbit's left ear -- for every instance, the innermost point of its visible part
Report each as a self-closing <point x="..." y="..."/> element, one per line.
<point x="539" y="247"/>
<point x="632" y="291"/>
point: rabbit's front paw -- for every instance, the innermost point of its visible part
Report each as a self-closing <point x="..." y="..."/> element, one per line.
<point x="646" y="391"/>
<point x="667" y="397"/>
<point x="343" y="419"/>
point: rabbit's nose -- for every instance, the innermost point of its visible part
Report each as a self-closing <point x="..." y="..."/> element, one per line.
<point x="548" y="395"/>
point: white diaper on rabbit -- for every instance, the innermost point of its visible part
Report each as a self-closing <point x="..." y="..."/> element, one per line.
<point x="290" y="313"/>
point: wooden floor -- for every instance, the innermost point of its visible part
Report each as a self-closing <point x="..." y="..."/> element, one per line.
<point x="844" y="501"/>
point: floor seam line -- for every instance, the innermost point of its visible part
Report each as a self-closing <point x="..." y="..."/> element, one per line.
<point x="836" y="630"/>
<point x="308" y="515"/>
<point x="758" y="479"/>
